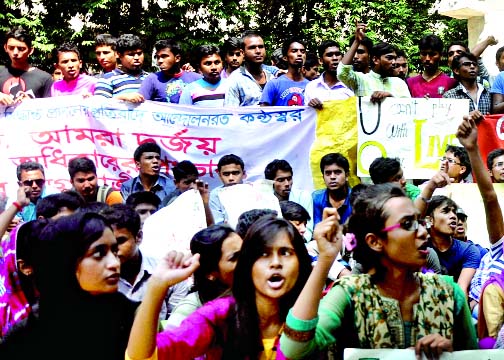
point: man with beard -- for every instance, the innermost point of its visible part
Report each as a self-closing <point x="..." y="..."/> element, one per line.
<point x="380" y="82"/>
<point x="148" y="161"/>
<point x="84" y="180"/>
<point x="465" y="70"/>
<point x="432" y="83"/>
<point x="211" y="89"/>
<point x="123" y="83"/>
<point x="246" y="84"/>
<point x="327" y="86"/>
<point x="288" y="89"/>
<point x="362" y="55"/>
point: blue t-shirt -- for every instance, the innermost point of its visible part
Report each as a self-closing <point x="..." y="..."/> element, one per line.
<point x="498" y="85"/>
<point x="321" y="201"/>
<point x="160" y="87"/>
<point x="283" y="91"/>
<point x="459" y="256"/>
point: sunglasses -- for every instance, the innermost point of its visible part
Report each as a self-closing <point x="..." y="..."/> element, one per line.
<point x="408" y="225"/>
<point x="39" y="182"/>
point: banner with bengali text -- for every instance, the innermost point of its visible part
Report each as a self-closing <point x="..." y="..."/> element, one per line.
<point x="414" y="130"/>
<point x="53" y="131"/>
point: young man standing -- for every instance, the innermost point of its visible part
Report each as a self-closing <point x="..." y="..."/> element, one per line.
<point x="233" y="56"/>
<point x="288" y="89"/>
<point x="311" y="67"/>
<point x="145" y="204"/>
<point x="84" y="180"/>
<point x="73" y="82"/>
<point x="246" y="85"/>
<point x="167" y="85"/>
<point x="380" y="82"/>
<point x="136" y="268"/>
<point x="432" y="83"/>
<point x="106" y="54"/>
<point x="401" y="69"/>
<point x="19" y="80"/>
<point x="231" y="170"/>
<point x="211" y="89"/>
<point x="327" y="86"/>
<point x="361" y="61"/>
<point x="123" y="83"/>
<point x="281" y="173"/>
<point x="335" y="170"/>
<point x="148" y="161"/>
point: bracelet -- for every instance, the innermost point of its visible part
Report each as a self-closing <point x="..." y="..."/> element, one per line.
<point x="424" y="199"/>
<point x="18" y="206"/>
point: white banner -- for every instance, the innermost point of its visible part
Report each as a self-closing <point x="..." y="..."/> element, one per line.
<point x="414" y="130"/>
<point x="53" y="131"/>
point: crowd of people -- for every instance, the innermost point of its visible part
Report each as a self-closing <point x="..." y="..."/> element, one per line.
<point x="386" y="265"/>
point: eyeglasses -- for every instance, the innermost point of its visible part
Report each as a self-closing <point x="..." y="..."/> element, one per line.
<point x="469" y="63"/>
<point x="450" y="160"/>
<point x="498" y="165"/>
<point x="39" y="182"/>
<point x="408" y="225"/>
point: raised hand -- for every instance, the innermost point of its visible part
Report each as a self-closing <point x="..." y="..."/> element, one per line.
<point x="328" y="234"/>
<point x="203" y="190"/>
<point x="175" y="267"/>
<point x="467" y="133"/>
<point x="360" y="31"/>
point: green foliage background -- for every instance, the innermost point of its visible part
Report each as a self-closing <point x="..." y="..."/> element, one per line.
<point x="194" y="22"/>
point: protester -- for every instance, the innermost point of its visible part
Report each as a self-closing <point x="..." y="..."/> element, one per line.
<point x="219" y="247"/>
<point x="167" y="85"/>
<point x="392" y="305"/>
<point x="145" y="204"/>
<point x="77" y="281"/>
<point x="106" y="54"/>
<point x="147" y="158"/>
<point x="73" y="82"/>
<point x="19" y="80"/>
<point x="272" y="268"/>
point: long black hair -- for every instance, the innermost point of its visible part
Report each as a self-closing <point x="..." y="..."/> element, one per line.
<point x="244" y="340"/>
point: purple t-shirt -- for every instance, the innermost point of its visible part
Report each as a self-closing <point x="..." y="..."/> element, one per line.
<point x="283" y="91"/>
<point x="81" y="85"/>
<point x="160" y="87"/>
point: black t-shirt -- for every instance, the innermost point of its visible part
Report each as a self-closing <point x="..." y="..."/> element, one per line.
<point x="34" y="82"/>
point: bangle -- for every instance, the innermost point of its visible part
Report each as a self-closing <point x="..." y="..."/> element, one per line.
<point x="18" y="206"/>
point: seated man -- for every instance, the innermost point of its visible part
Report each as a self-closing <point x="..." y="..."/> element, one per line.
<point x="459" y="166"/>
<point x="281" y="173"/>
<point x="458" y="259"/>
<point x="231" y="170"/>
<point x="145" y="204"/>
<point x="495" y="164"/>
<point x="123" y="83"/>
<point x="148" y="161"/>
<point x="73" y="83"/>
<point x="186" y="177"/>
<point x="335" y="170"/>
<point x="84" y="180"/>
<point x="31" y="176"/>
<point x="136" y="268"/>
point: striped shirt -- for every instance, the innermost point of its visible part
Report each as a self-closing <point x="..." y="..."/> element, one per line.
<point x="491" y="264"/>
<point x="118" y="82"/>
<point x="483" y="101"/>
<point x="203" y="93"/>
<point x="366" y="84"/>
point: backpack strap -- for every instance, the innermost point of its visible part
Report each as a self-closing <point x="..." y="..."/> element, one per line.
<point x="103" y="192"/>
